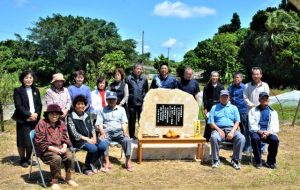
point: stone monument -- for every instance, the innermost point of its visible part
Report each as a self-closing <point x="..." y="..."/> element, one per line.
<point x="165" y="109"/>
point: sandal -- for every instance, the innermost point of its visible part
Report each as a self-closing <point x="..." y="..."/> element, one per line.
<point x="94" y="169"/>
<point x="107" y="166"/>
<point x="89" y="172"/>
<point x="104" y="170"/>
<point x="129" y="168"/>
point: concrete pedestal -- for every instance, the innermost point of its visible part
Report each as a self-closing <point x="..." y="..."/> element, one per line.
<point x="169" y="151"/>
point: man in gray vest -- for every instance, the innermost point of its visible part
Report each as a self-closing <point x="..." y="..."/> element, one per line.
<point x="137" y="87"/>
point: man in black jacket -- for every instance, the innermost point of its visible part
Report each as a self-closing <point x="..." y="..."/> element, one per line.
<point x="138" y="87"/>
<point x="211" y="94"/>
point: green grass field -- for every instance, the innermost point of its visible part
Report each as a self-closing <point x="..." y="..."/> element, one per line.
<point x="165" y="174"/>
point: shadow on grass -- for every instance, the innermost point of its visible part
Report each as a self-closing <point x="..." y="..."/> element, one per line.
<point x="247" y="160"/>
<point x="115" y="160"/>
<point x="35" y="177"/>
<point x="11" y="160"/>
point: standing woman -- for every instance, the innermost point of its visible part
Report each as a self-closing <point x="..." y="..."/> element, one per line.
<point x="59" y="95"/>
<point x="98" y="97"/>
<point x="28" y="107"/>
<point x="79" y="88"/>
<point x="120" y="87"/>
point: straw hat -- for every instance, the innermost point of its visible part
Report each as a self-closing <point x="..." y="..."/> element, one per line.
<point x="58" y="77"/>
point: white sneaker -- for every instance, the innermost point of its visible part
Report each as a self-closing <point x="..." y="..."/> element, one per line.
<point x="72" y="183"/>
<point x="235" y="164"/>
<point x="55" y="187"/>
<point x="215" y="163"/>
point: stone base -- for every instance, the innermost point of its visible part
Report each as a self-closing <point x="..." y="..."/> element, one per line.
<point x="169" y="151"/>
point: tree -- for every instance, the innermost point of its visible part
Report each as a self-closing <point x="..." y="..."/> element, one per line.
<point x="8" y="81"/>
<point x="107" y="65"/>
<point x="144" y="58"/>
<point x="275" y="48"/>
<point x="160" y="59"/>
<point x="189" y="60"/>
<point x="233" y="26"/>
<point x="69" y="43"/>
<point x="219" y="54"/>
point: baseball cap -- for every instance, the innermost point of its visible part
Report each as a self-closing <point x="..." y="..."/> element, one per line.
<point x="111" y="95"/>
<point x="262" y="94"/>
<point x="224" y="93"/>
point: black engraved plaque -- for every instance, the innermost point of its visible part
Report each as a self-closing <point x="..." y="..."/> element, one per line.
<point x="169" y="115"/>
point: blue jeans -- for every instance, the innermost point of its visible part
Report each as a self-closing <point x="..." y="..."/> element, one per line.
<point x="245" y="130"/>
<point x="118" y="136"/>
<point x="94" y="152"/>
<point x="238" y="144"/>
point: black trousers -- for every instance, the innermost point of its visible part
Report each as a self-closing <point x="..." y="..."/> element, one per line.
<point x="134" y="113"/>
<point x="207" y="131"/>
<point x="273" y="142"/>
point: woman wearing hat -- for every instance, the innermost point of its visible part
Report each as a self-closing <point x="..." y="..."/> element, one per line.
<point x="83" y="136"/>
<point x="52" y="144"/>
<point x="28" y="110"/>
<point x="58" y="94"/>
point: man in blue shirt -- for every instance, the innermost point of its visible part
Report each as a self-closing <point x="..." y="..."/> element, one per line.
<point x="236" y="98"/>
<point x="164" y="80"/>
<point x="188" y="84"/>
<point x="224" y="120"/>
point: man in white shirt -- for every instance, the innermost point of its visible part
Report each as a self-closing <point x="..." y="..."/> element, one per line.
<point x="253" y="89"/>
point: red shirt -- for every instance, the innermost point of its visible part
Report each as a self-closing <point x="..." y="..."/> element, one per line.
<point x="46" y="135"/>
<point x="102" y="95"/>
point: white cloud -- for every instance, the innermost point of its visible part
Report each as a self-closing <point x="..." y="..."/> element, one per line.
<point x="181" y="10"/>
<point x="20" y="3"/>
<point x="171" y="42"/>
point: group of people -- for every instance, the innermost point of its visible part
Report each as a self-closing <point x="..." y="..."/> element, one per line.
<point x="77" y="117"/>
<point x="90" y="120"/>
<point x="245" y="107"/>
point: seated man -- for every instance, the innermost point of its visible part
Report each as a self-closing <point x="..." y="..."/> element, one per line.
<point x="264" y="126"/>
<point x="224" y="120"/>
<point x="112" y="124"/>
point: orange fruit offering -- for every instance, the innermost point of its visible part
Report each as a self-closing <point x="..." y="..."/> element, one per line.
<point x="174" y="134"/>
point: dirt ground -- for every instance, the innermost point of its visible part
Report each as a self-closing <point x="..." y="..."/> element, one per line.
<point x="165" y="174"/>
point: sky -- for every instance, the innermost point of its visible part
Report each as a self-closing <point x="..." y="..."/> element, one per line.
<point x="167" y="24"/>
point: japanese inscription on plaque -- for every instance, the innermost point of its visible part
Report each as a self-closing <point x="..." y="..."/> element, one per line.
<point x="169" y="114"/>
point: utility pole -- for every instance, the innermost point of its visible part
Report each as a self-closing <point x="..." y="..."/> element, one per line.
<point x="168" y="53"/>
<point x="143" y="42"/>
